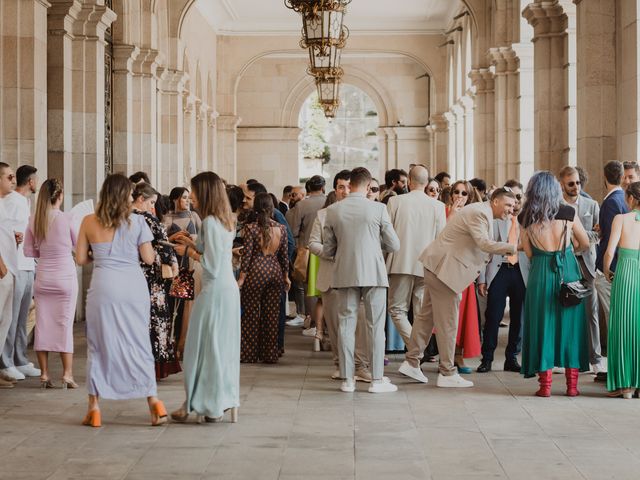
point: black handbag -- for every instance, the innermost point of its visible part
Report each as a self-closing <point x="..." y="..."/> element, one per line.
<point x="571" y="293"/>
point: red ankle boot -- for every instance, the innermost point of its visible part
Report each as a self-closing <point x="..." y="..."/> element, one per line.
<point x="572" y="382"/>
<point x="544" y="378"/>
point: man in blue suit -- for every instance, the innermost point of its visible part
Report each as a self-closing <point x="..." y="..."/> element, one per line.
<point x="612" y="205"/>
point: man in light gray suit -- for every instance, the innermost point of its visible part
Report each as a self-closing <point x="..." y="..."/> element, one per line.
<point x="356" y="231"/>
<point x="588" y="211"/>
<point x="417" y="219"/>
<point x="451" y="263"/>
<point x="505" y="276"/>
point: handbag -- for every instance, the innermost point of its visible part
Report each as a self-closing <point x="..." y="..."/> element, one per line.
<point x="571" y="293"/>
<point x="183" y="284"/>
<point x="300" y="265"/>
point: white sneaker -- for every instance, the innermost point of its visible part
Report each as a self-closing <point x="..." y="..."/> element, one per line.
<point x="5" y="375"/>
<point x="557" y="370"/>
<point x="298" y="321"/>
<point x="309" y="332"/>
<point x="13" y="372"/>
<point x="363" y="375"/>
<point x="598" y="368"/>
<point x="336" y="375"/>
<point x="413" y="372"/>
<point x="382" y="386"/>
<point x="348" y="386"/>
<point x="453" y="381"/>
<point x="29" y="370"/>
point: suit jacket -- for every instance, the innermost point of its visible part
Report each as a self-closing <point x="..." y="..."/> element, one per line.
<point x="356" y="232"/>
<point x="316" y="243"/>
<point x="283" y="207"/>
<point x="612" y="205"/>
<point x="501" y="234"/>
<point x="417" y="219"/>
<point x="305" y="214"/>
<point x="589" y="212"/>
<point x="462" y="250"/>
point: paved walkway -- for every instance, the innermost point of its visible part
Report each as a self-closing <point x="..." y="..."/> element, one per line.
<point x="295" y="424"/>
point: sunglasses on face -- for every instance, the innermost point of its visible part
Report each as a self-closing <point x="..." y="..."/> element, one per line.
<point x="573" y="184"/>
<point x="464" y="193"/>
<point x="11" y="176"/>
<point x="434" y="190"/>
<point x="375" y="189"/>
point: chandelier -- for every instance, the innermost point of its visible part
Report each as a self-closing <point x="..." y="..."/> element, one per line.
<point x="324" y="35"/>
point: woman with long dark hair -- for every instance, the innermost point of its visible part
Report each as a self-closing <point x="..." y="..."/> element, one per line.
<point x="50" y="238"/>
<point x="160" y="328"/>
<point x="120" y="362"/>
<point x="553" y="335"/>
<point x="264" y="275"/>
<point x="212" y="349"/>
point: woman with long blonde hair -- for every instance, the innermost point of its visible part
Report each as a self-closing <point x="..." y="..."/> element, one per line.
<point x="120" y="363"/>
<point x="51" y="238"/>
<point x="212" y="348"/>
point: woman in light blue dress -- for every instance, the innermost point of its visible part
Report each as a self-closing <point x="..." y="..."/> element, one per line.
<point x="212" y="349"/>
<point x="120" y="363"/>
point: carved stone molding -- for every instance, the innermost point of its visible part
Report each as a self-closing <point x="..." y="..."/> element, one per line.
<point x="212" y="116"/>
<point x="504" y="59"/>
<point x="93" y="20"/>
<point x="547" y="18"/>
<point x="228" y="123"/>
<point x="170" y="81"/>
<point x="439" y="123"/>
<point x="145" y="64"/>
<point x="123" y="57"/>
<point x="483" y="80"/>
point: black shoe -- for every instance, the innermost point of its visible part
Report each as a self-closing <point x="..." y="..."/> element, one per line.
<point x="512" y="366"/>
<point x="484" y="367"/>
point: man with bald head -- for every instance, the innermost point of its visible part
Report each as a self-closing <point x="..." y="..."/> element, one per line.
<point x="417" y="219"/>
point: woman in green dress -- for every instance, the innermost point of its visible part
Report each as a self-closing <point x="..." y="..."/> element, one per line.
<point x="553" y="336"/>
<point x="212" y="350"/>
<point x="623" y="346"/>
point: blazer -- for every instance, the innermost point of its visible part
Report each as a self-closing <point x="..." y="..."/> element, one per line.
<point x="501" y="234"/>
<point x="303" y="217"/>
<point x="356" y="231"/>
<point x="462" y="250"/>
<point x="612" y="205"/>
<point x="316" y="242"/>
<point x="417" y="219"/>
<point x="588" y="211"/>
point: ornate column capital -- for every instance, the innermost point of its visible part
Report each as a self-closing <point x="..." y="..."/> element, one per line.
<point x="212" y="115"/>
<point x="93" y="20"/>
<point x="170" y="81"/>
<point x="61" y="16"/>
<point x="482" y="79"/>
<point x="504" y="59"/>
<point x="188" y="102"/>
<point x="547" y="18"/>
<point x="228" y="123"/>
<point x="123" y="57"/>
<point x="438" y="123"/>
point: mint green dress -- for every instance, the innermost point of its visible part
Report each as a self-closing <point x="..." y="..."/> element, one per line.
<point x="553" y="335"/>
<point x="212" y="349"/>
<point x="623" y="346"/>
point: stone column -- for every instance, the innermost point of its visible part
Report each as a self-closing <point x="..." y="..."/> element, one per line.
<point x="525" y="111"/>
<point x="391" y="138"/>
<point x="170" y="153"/>
<point x="468" y="105"/>
<point x="451" y="165"/>
<point x="189" y="137"/>
<point x="459" y="113"/>
<point x="123" y="108"/>
<point x="145" y="112"/>
<point x="23" y="83"/>
<point x="227" y="146"/>
<point x="413" y="146"/>
<point x="550" y="39"/>
<point x="438" y="128"/>
<point x="212" y="116"/>
<point x="596" y="67"/>
<point x="483" y="81"/>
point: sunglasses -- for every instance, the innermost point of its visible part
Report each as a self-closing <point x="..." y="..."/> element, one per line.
<point x="375" y="189"/>
<point x="434" y="190"/>
<point x="11" y="176"/>
<point x="464" y="193"/>
<point x="573" y="184"/>
<point x="518" y="196"/>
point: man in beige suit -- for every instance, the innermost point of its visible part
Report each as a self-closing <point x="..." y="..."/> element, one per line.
<point x="417" y="219"/>
<point x="451" y="263"/>
<point x="355" y="233"/>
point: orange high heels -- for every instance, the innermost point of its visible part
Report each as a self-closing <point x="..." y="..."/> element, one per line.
<point x="93" y="419"/>
<point x="158" y="414"/>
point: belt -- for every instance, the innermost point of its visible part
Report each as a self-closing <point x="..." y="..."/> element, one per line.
<point x="508" y="265"/>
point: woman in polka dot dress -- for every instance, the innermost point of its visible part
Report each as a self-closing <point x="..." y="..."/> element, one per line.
<point x="264" y="275"/>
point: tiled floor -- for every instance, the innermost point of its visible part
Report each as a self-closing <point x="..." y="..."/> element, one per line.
<point x="295" y="424"/>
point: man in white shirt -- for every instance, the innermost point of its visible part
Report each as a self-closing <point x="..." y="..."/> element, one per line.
<point x="14" y="361"/>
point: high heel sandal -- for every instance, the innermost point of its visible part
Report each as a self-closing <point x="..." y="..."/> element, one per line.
<point x="158" y="414"/>
<point x="234" y="416"/>
<point x="627" y="393"/>
<point x="93" y="418"/>
<point x="180" y="415"/>
<point x="68" y="383"/>
<point x="44" y="384"/>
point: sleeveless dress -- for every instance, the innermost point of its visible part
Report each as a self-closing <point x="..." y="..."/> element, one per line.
<point x="623" y="346"/>
<point x="55" y="289"/>
<point x="212" y="349"/>
<point x="553" y="335"/>
<point x="120" y="363"/>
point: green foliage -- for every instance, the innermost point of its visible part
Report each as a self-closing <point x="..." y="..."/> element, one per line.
<point x="313" y="142"/>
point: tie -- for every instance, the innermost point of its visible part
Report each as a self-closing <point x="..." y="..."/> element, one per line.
<point x="513" y="239"/>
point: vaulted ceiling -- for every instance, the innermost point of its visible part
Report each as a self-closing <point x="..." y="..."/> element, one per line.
<point x="265" y="17"/>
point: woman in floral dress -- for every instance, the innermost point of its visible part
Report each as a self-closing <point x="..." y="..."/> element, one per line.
<point x="161" y="325"/>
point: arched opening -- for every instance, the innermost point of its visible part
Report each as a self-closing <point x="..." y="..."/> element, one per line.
<point x="327" y="146"/>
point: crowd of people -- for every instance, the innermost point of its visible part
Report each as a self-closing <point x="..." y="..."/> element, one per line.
<point x="204" y="279"/>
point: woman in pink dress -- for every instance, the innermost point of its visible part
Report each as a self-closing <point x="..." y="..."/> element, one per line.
<point x="50" y="238"/>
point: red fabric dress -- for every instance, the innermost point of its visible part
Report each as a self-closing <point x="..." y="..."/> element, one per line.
<point x="468" y="329"/>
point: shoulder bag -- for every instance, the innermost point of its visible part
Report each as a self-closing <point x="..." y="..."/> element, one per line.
<point x="571" y="293"/>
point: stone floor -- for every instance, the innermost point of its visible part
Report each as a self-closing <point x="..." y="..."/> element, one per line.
<point x="295" y="424"/>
